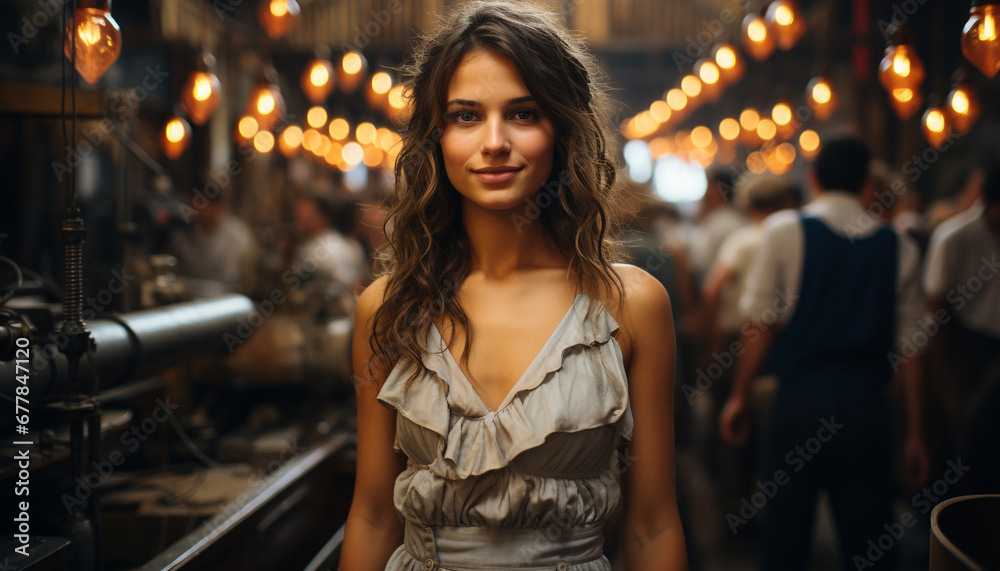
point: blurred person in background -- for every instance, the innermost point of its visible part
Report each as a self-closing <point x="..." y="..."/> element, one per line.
<point x="328" y="259"/>
<point x="716" y="219"/>
<point x="216" y="252"/>
<point x="833" y="291"/>
<point x="963" y="296"/>
<point x="758" y="196"/>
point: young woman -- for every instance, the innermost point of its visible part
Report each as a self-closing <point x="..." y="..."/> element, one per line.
<point x="502" y="363"/>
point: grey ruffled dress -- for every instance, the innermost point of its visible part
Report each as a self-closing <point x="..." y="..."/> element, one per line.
<point x="528" y="486"/>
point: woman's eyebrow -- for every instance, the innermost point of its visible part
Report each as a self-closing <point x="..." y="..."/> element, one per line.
<point x="471" y="103"/>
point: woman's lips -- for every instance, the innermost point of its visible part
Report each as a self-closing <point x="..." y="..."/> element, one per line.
<point x="496" y="175"/>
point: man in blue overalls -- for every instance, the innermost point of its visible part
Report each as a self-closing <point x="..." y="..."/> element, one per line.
<point x="831" y="293"/>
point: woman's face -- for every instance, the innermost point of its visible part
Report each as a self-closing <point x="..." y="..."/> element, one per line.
<point x="497" y="144"/>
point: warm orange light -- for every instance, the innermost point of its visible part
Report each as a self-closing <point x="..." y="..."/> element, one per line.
<point x="175" y="137"/>
<point x="277" y="16"/>
<point x="962" y="107"/>
<point x="373" y="157"/>
<point x="350" y="72"/>
<point x="809" y="144"/>
<point x="339" y="129"/>
<point x="247" y="127"/>
<point x="821" y="98"/>
<point x="266" y="105"/>
<point x="980" y="41"/>
<point x="781" y="114"/>
<point x="676" y="99"/>
<point x="645" y="125"/>
<point x="766" y="129"/>
<point x="353" y="154"/>
<point x="335" y="156"/>
<point x="935" y="127"/>
<point x="905" y="102"/>
<point x="731" y="65"/>
<point x="756" y="162"/>
<point x="785" y="153"/>
<point x="263" y="141"/>
<point x="316" y="117"/>
<point x="365" y="133"/>
<point x="729" y="129"/>
<point x="749" y="119"/>
<point x="290" y="140"/>
<point x="97" y="38"/>
<point x="660" y="111"/>
<point x="378" y="90"/>
<point x="691" y="86"/>
<point x="708" y="72"/>
<point x="785" y="22"/>
<point x="901" y="68"/>
<point x="317" y="80"/>
<point x="399" y="105"/>
<point x="201" y="97"/>
<point x="701" y="136"/>
<point x="757" y="41"/>
<point x="311" y="139"/>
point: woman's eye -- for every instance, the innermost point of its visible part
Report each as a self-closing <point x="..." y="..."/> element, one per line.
<point x="525" y="114"/>
<point x="463" y="116"/>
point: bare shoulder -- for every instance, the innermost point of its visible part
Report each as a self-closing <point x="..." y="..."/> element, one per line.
<point x="644" y="294"/>
<point x="371" y="299"/>
<point x="645" y="313"/>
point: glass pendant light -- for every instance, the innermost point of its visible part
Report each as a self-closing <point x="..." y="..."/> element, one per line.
<point x="962" y="105"/>
<point x="175" y="137"/>
<point x="202" y="91"/>
<point x="318" y="79"/>
<point x="821" y="98"/>
<point x="980" y="38"/>
<point x="757" y="39"/>
<point x="785" y="22"/>
<point x="935" y="126"/>
<point x="277" y="16"/>
<point x="730" y="62"/>
<point x="97" y="38"/>
<point x="351" y="70"/>
<point x="266" y="104"/>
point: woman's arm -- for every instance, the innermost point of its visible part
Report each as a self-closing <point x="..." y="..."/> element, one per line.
<point x="652" y="537"/>
<point x="373" y="529"/>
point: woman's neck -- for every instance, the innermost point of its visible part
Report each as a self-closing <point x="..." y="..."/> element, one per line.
<point x="502" y="242"/>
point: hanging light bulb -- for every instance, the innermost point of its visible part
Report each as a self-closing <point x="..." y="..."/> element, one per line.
<point x="175" y="137"/>
<point x="901" y="73"/>
<point x="757" y="40"/>
<point x="730" y="62"/>
<point x="785" y="22"/>
<point x="97" y="38"/>
<point x="962" y="106"/>
<point x="980" y="37"/>
<point x="202" y="91"/>
<point x="377" y="93"/>
<point x="266" y="104"/>
<point x="935" y="126"/>
<point x="784" y="121"/>
<point x="905" y="101"/>
<point x="809" y="144"/>
<point x="711" y="80"/>
<point x="318" y="80"/>
<point x="290" y="140"/>
<point x="901" y="67"/>
<point x="277" y="16"/>
<point x="246" y="128"/>
<point x="399" y="108"/>
<point x="821" y="98"/>
<point x="351" y="70"/>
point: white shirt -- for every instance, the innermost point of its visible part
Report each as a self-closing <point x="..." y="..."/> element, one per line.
<point x="737" y="253"/>
<point x="332" y="258"/>
<point x="776" y="273"/>
<point x="708" y="235"/>
<point x="219" y="256"/>
<point x="963" y="260"/>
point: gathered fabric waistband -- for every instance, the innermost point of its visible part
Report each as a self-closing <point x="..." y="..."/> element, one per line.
<point x="481" y="548"/>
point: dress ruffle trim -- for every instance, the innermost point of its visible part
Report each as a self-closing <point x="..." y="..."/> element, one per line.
<point x="543" y="402"/>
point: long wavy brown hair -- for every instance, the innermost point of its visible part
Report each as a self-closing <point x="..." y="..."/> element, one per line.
<point x="427" y="256"/>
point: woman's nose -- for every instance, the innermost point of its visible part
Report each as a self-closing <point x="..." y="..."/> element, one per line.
<point x="495" y="137"/>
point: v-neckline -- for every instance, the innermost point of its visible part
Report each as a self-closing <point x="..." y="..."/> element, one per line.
<point x="531" y="366"/>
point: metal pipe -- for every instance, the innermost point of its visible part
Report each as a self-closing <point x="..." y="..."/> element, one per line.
<point x="138" y="344"/>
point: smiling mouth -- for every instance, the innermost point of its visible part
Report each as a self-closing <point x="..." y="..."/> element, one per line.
<point x="494" y="175"/>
